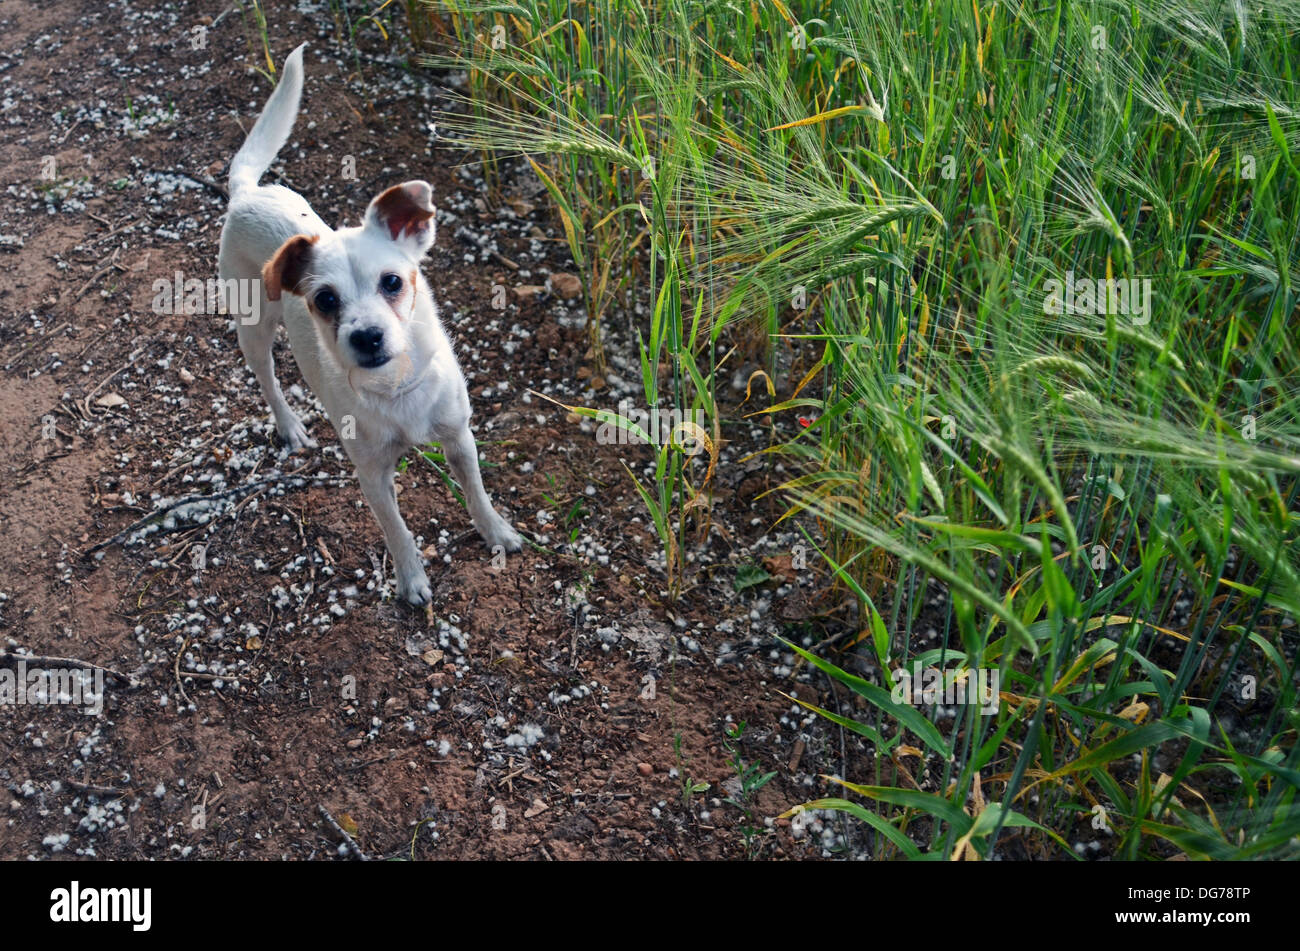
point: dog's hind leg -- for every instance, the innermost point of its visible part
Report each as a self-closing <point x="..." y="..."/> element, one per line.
<point x="256" y="339"/>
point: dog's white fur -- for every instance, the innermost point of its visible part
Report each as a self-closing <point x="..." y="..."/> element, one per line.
<point x="395" y="392"/>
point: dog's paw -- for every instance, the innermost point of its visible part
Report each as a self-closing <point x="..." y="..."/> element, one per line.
<point x="415" y="589"/>
<point x="501" y="533"/>
<point x="294" y="436"/>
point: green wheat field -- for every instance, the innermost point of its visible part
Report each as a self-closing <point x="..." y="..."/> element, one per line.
<point x="1037" y="261"/>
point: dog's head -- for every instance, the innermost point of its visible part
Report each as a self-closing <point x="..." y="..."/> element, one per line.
<point x="362" y="284"/>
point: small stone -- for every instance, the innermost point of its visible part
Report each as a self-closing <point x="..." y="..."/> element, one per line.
<point x="565" y="286"/>
<point x="645" y="769"/>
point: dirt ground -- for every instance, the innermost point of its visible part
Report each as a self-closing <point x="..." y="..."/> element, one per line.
<point x="261" y="674"/>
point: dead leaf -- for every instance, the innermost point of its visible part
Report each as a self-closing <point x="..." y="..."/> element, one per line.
<point x="780" y="567"/>
<point x="1135" y="711"/>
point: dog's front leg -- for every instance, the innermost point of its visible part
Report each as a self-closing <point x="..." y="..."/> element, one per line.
<point x="462" y="457"/>
<point x="377" y="486"/>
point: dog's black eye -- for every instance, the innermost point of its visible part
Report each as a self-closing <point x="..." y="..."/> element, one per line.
<point x="390" y="283"/>
<point x="327" y="301"/>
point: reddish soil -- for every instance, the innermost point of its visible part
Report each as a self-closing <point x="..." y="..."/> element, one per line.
<point x="275" y="675"/>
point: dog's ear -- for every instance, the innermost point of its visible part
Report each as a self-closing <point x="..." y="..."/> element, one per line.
<point x="285" y="270"/>
<point x="405" y="214"/>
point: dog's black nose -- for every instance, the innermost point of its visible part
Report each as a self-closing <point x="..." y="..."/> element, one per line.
<point x="368" y="342"/>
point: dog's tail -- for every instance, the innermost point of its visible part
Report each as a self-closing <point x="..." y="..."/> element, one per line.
<point x="271" y="130"/>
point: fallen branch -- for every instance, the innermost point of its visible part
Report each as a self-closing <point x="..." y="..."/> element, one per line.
<point x="203" y="180"/>
<point x="45" y="660"/>
<point x="237" y="492"/>
<point x="98" y="274"/>
<point x="100" y="790"/>
<point x="176" y="670"/>
<point x="104" y="382"/>
<point x="343" y="833"/>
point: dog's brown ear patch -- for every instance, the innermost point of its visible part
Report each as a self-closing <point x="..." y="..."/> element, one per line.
<point x="285" y="270"/>
<point x="404" y="209"/>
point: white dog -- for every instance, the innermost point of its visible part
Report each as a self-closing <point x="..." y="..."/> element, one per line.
<point x="363" y="327"/>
